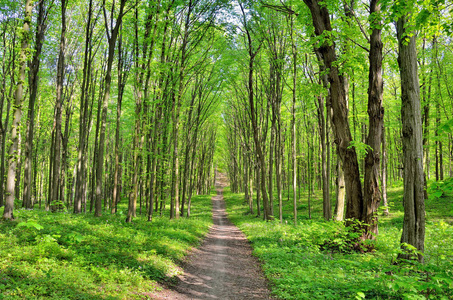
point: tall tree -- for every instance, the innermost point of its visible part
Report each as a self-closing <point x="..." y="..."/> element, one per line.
<point x="371" y="193"/>
<point x="413" y="199"/>
<point x="252" y="51"/>
<point x="293" y="125"/>
<point x="33" y="79"/>
<point x="112" y="31"/>
<point x="80" y="185"/>
<point x="55" y="196"/>
<point x="321" y="22"/>
<point x="17" y="114"/>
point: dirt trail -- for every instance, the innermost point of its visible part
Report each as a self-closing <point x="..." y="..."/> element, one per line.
<point x="223" y="267"/>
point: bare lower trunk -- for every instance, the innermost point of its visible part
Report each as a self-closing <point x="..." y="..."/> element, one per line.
<point x="372" y="194"/>
<point x="384" y="174"/>
<point x="341" y="192"/>
<point x="33" y="85"/>
<point x="17" y="115"/>
<point x="413" y="199"/>
<point x="56" y="173"/>
<point x="112" y="37"/>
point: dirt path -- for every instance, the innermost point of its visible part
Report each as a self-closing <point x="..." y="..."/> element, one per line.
<point x="223" y="267"/>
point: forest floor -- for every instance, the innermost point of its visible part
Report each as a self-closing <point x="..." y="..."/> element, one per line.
<point x="223" y="266"/>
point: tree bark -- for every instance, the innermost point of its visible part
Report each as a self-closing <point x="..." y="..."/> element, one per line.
<point x="17" y="113"/>
<point x="413" y="199"/>
<point x="112" y="37"/>
<point x="293" y="128"/>
<point x="372" y="194"/>
<point x="33" y="80"/>
<point x="321" y="21"/>
<point x="341" y="192"/>
<point x="56" y="173"/>
<point x="80" y="190"/>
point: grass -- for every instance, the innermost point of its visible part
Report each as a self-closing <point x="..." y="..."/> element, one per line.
<point x="46" y="255"/>
<point x="299" y="265"/>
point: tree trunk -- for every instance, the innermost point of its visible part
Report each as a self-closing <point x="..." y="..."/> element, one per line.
<point x="413" y="199"/>
<point x="384" y="174"/>
<point x="17" y="113"/>
<point x="343" y="138"/>
<point x="80" y="190"/>
<point x="56" y="173"/>
<point x="372" y="194"/>
<point x="293" y="129"/>
<point x="112" y="37"/>
<point x="341" y="192"/>
<point x="33" y="86"/>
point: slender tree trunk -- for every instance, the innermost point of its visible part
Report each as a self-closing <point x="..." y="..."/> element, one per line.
<point x="327" y="211"/>
<point x="33" y="79"/>
<point x="253" y="114"/>
<point x="384" y="174"/>
<point x="341" y="192"/>
<point x="123" y="70"/>
<point x="56" y="173"/>
<point x="258" y="191"/>
<point x="112" y="37"/>
<point x="293" y="129"/>
<point x="3" y="145"/>
<point x="272" y="157"/>
<point x="80" y="187"/>
<point x="177" y="102"/>
<point x="17" y="113"/>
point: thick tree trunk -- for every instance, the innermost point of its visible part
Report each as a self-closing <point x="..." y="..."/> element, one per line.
<point x="17" y="115"/>
<point x="372" y="194"/>
<point x="413" y="199"/>
<point x="321" y="21"/>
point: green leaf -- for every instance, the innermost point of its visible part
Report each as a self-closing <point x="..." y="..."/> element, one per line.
<point x="30" y="224"/>
<point x="360" y="295"/>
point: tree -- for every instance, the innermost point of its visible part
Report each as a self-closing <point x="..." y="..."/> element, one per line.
<point x="413" y="199"/>
<point x="371" y="192"/>
<point x="321" y="22"/>
<point x="33" y="78"/>
<point x="17" y="113"/>
<point x="252" y="51"/>
<point x="56" y="172"/>
<point x="112" y="35"/>
<point x="88" y="61"/>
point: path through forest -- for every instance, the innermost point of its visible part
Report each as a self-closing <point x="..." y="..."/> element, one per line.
<point x="223" y="267"/>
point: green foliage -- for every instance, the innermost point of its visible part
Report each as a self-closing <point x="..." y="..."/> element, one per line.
<point x="316" y="260"/>
<point x="440" y="189"/>
<point x="360" y="147"/>
<point x="66" y="256"/>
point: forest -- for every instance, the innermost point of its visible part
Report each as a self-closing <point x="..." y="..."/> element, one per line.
<point x="332" y="121"/>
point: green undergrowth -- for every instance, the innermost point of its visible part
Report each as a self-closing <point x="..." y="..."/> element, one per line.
<point x="46" y="255"/>
<point x="300" y="266"/>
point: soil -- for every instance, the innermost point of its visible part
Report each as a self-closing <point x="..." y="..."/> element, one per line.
<point x="223" y="267"/>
